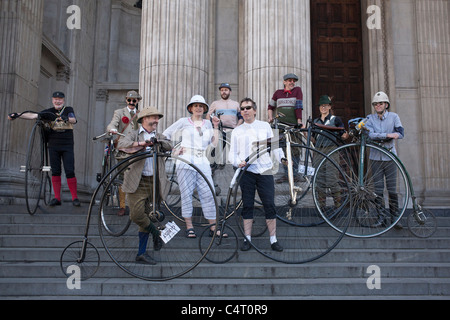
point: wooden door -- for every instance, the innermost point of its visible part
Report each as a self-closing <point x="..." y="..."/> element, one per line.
<point x="337" y="60"/>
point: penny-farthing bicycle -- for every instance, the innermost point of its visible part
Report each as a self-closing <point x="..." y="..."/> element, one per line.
<point x="38" y="185"/>
<point x="301" y="219"/>
<point x="178" y="255"/>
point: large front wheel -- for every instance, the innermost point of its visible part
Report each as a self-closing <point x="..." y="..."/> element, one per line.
<point x="34" y="176"/>
<point x="380" y="190"/>
<point x="297" y="224"/>
<point x="178" y="254"/>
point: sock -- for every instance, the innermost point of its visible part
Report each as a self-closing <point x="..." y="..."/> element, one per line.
<point x="273" y="239"/>
<point x="143" y="240"/>
<point x="56" y="182"/>
<point x="72" y="182"/>
<point x="248" y="238"/>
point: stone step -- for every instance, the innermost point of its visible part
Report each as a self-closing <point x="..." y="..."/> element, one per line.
<point x="231" y="288"/>
<point x="246" y="270"/>
<point x="31" y="246"/>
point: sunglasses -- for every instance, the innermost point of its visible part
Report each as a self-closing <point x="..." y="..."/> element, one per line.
<point x="246" y="108"/>
<point x="131" y="100"/>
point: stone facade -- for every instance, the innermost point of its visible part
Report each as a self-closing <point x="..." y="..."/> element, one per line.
<point x="171" y="50"/>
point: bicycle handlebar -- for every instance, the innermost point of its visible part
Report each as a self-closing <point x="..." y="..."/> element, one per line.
<point x="108" y="133"/>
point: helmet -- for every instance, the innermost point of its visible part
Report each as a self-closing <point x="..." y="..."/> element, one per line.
<point x="198" y="99"/>
<point x="381" y="97"/>
<point x="149" y="111"/>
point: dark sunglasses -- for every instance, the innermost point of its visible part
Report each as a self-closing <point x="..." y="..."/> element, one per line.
<point x="246" y="108"/>
<point x="134" y="101"/>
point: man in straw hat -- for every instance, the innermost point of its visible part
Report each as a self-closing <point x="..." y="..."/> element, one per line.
<point x="138" y="179"/>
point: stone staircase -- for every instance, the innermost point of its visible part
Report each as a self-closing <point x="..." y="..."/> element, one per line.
<point x="410" y="268"/>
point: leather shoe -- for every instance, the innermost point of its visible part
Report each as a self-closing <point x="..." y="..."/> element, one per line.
<point x="76" y="203"/>
<point x="54" y="203"/>
<point x="145" y="259"/>
<point x="246" y="245"/>
<point x="276" y="247"/>
<point x="157" y="243"/>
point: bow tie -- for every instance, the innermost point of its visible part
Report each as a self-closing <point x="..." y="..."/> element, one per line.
<point x="288" y="91"/>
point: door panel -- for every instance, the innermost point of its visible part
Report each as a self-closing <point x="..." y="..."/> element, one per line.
<point x="337" y="59"/>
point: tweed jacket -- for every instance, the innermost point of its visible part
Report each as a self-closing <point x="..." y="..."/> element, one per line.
<point x="133" y="174"/>
<point x="120" y="120"/>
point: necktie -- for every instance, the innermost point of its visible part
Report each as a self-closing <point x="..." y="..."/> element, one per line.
<point x="132" y="113"/>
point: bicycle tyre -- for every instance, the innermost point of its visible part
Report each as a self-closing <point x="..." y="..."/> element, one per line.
<point x="371" y="217"/>
<point x="34" y="176"/>
<point x="177" y="257"/>
<point x="305" y="238"/>
<point x="223" y="249"/>
<point x="422" y="224"/>
<point x="88" y="261"/>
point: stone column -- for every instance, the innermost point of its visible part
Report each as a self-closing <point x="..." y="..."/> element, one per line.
<point x="174" y="54"/>
<point x="275" y="40"/>
<point x="21" y="41"/>
<point x="433" y="41"/>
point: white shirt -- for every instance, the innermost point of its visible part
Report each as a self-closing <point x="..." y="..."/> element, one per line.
<point x="148" y="167"/>
<point x="195" y="139"/>
<point x="242" y="146"/>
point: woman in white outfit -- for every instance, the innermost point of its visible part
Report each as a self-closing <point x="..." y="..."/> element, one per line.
<point x="196" y="135"/>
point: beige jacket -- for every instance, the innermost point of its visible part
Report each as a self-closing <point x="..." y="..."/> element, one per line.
<point x="133" y="175"/>
<point x="118" y="123"/>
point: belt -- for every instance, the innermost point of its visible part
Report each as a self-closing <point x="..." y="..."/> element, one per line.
<point x="195" y="152"/>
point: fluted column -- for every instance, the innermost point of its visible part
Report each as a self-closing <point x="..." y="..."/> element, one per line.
<point x="174" y="54"/>
<point x="20" y="42"/>
<point x="275" y="40"/>
<point x="434" y="68"/>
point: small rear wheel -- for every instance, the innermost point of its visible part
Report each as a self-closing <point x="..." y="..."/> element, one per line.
<point x="82" y="255"/>
<point x="422" y="223"/>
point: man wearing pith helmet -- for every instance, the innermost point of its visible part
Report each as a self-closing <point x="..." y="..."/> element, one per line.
<point x="139" y="179"/>
<point x="386" y="127"/>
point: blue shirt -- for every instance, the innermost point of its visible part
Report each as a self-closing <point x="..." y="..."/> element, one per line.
<point x="379" y="128"/>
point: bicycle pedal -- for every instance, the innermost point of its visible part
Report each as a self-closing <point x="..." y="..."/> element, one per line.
<point x="46" y="169"/>
<point x="23" y="169"/>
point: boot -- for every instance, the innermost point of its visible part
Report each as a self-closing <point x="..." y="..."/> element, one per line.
<point x="122" y="209"/>
<point x="157" y="241"/>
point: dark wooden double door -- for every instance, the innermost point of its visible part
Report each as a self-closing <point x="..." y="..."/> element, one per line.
<point x="337" y="59"/>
